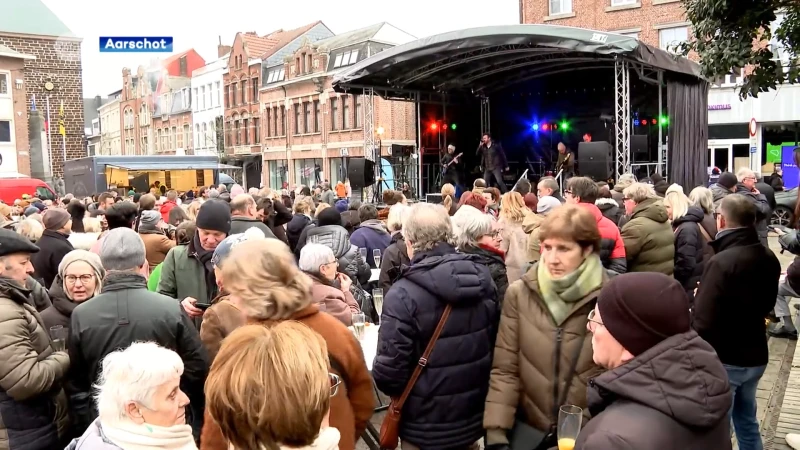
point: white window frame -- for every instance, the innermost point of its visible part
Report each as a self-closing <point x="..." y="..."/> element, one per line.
<point x="353" y="57"/>
<point x="623" y="2"/>
<point x="338" y="61"/>
<point x="665" y="45"/>
<point x="7" y="76"/>
<point x="10" y="131"/>
<point x="565" y="7"/>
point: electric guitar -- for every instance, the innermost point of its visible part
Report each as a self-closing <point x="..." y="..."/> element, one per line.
<point x="564" y="162"/>
<point x="452" y="161"/>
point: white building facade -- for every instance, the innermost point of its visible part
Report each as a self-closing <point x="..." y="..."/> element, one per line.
<point x="110" y="144"/>
<point x="207" y="105"/>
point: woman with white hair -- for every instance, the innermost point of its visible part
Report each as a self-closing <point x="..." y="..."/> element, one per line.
<point x="31" y="229"/>
<point x="625" y="180"/>
<point x="396" y="255"/>
<point x="330" y="288"/>
<point x="480" y="235"/>
<point x="690" y="238"/>
<point x="140" y="402"/>
<point x="80" y="277"/>
<point x="648" y="237"/>
<point x="702" y="197"/>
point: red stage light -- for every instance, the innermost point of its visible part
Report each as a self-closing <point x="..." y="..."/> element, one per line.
<point x="434" y="126"/>
<point x="545" y="127"/>
<point x="644" y="122"/>
<point x="555" y="126"/>
<point x="654" y="121"/>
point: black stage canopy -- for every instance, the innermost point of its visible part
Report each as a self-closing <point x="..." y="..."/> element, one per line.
<point x="487" y="59"/>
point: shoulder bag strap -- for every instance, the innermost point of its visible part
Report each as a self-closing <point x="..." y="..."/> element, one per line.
<point x="562" y="397"/>
<point x="423" y="361"/>
<point x="704" y="233"/>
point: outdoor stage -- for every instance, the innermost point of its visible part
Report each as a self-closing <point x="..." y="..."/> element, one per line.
<point x="532" y="86"/>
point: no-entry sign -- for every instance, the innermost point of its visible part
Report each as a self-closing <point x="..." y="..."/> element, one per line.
<point x="753" y="127"/>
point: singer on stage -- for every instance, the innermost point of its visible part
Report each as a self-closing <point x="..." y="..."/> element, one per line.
<point x="566" y="161"/>
<point x="494" y="162"/>
<point x="451" y="167"/>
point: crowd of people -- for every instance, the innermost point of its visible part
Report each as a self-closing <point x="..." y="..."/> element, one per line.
<point x="222" y="318"/>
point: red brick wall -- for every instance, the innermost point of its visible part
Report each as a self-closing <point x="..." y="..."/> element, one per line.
<point x="234" y="76"/>
<point x="599" y="15"/>
<point x="178" y="121"/>
<point x="18" y="96"/>
<point x="57" y="61"/>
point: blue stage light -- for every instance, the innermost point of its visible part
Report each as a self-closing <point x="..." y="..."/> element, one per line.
<point x="535" y="127"/>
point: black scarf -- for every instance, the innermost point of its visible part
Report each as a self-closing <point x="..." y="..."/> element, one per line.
<point x="204" y="256"/>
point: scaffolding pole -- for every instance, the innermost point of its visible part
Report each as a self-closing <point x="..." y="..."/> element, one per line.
<point x="661" y="168"/>
<point x="485" y="116"/>
<point x="622" y="112"/>
<point x="419" y="144"/>
<point x="370" y="152"/>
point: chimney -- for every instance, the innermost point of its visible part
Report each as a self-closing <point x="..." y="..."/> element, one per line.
<point x="223" y="50"/>
<point x="98" y="101"/>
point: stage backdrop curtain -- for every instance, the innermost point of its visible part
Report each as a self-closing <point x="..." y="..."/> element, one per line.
<point x="687" y="103"/>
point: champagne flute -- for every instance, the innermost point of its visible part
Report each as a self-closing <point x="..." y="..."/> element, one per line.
<point x="569" y="425"/>
<point x="377" y="299"/>
<point x="58" y="334"/>
<point x="359" y="320"/>
<point x="376" y="256"/>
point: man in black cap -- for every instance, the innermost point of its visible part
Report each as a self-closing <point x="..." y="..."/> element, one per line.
<point x="54" y="244"/>
<point x="737" y="291"/>
<point x="187" y="273"/>
<point x="34" y="411"/>
<point x="665" y="388"/>
<point x="725" y="186"/>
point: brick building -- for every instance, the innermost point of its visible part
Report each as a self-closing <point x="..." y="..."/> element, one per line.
<point x="172" y="119"/>
<point x="250" y="57"/>
<point x="659" y="23"/>
<point x="30" y="28"/>
<point x="14" y="147"/>
<point x="306" y="125"/>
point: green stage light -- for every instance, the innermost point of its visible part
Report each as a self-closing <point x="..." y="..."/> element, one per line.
<point x="564" y="125"/>
<point x="453" y="127"/>
<point x="664" y="120"/>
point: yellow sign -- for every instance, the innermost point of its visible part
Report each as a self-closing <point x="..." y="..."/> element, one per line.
<point x="61" y="128"/>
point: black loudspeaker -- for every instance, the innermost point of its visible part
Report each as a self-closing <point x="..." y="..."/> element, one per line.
<point x="639" y="144"/>
<point x="398" y="150"/>
<point x="361" y="172"/>
<point x="434" y="198"/>
<point x="595" y="160"/>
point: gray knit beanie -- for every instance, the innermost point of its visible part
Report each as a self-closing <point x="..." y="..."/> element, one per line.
<point x="122" y="249"/>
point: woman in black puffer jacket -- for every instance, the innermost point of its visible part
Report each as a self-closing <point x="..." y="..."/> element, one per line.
<point x="396" y="254"/>
<point x="689" y="240"/>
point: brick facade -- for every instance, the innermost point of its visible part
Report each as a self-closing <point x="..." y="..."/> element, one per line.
<point x="58" y="61"/>
<point x="645" y="17"/>
<point x="303" y="90"/>
<point x="240" y="94"/>
<point x="18" y="97"/>
<point x="134" y="102"/>
<point x="182" y="123"/>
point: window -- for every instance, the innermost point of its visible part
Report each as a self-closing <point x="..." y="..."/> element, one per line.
<point x="346" y="122"/>
<point x="216" y="90"/>
<point x="256" y="130"/>
<point x="297" y="119"/>
<point x="317" y="117"/>
<point x="277" y="173"/>
<point x="668" y="38"/>
<point x="633" y="34"/>
<point x="338" y="61"/>
<point x="178" y="138"/>
<point x="346" y="59"/>
<point x="227" y="101"/>
<point x="338" y="170"/>
<point x="254" y="98"/>
<point x="276" y="75"/>
<point x="307" y="123"/>
<point x="560" y="7"/>
<point x="244" y="91"/>
<point x="246" y="131"/>
<point x="276" y="128"/>
<point x="306" y="173"/>
<point x="622" y="2"/>
<point x="5" y="79"/>
<point x="233" y="94"/>
<point x="182" y="66"/>
<point x="5" y="131"/>
<point x="358" y="110"/>
<point x="284" y="125"/>
<point x="235" y="131"/>
<point x="196" y="104"/>
<point x="334" y="112"/>
<point x="202" y="97"/>
<point x="187" y="136"/>
<point x="210" y="101"/>
<point x="268" y="113"/>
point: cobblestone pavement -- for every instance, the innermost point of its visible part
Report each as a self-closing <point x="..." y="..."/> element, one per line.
<point x="778" y="395"/>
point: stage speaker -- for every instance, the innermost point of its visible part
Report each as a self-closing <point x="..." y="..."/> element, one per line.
<point x="361" y="173"/>
<point x="595" y="160"/>
<point x="404" y="151"/>
<point x="434" y="198"/>
<point x="639" y="144"/>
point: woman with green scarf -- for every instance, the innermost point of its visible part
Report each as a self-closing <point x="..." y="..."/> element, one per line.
<point x="543" y="353"/>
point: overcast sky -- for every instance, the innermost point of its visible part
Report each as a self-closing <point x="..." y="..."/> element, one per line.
<point x="198" y="24"/>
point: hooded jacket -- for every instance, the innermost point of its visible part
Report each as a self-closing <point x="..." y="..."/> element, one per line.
<point x="763" y="211"/>
<point x="689" y="248"/>
<point x="612" y="248"/>
<point x="648" y="237"/>
<point x="335" y="238"/>
<point x="611" y="209"/>
<point x="674" y="396"/>
<point x="445" y="408"/>
<point x="372" y="235"/>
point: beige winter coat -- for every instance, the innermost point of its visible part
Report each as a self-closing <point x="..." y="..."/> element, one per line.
<point x="531" y="226"/>
<point x="515" y="246"/>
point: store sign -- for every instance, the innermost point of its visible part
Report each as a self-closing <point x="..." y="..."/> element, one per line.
<point x="719" y="107"/>
<point x="791" y="177"/>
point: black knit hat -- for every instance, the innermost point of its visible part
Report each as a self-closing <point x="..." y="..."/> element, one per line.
<point x="329" y="216"/>
<point x="642" y="309"/>
<point x="214" y="215"/>
<point x="728" y="180"/>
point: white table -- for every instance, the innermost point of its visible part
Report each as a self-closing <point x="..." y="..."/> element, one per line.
<point x="369" y="343"/>
<point x="374" y="275"/>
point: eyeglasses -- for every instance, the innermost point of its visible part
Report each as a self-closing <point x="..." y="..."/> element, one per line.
<point x="591" y="319"/>
<point x="71" y="279"/>
<point x="627" y="199"/>
<point x="567" y="191"/>
<point x="335" y="382"/>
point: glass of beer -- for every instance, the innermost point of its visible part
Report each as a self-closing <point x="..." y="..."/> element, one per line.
<point x="359" y="319"/>
<point x="58" y="334"/>
<point x="376" y="256"/>
<point x="363" y="252"/>
<point x="377" y="299"/>
<point x="569" y="425"/>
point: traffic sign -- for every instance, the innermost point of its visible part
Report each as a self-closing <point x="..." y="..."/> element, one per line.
<point x="753" y="127"/>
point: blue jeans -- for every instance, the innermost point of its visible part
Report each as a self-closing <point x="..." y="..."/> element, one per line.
<point x="744" y="381"/>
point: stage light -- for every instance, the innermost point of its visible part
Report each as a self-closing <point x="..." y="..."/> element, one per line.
<point x="655" y="122"/>
<point x="564" y="125"/>
<point x="434" y="126"/>
<point x="644" y="122"/>
<point x="535" y="127"/>
<point x="555" y="126"/>
<point x="664" y="120"/>
<point x="545" y="127"/>
<point x="453" y="126"/>
<point x="380" y="131"/>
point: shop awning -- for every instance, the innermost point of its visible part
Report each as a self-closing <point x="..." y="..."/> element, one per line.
<point x="166" y="165"/>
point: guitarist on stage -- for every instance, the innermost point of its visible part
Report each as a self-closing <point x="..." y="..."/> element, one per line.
<point x="451" y="167"/>
<point x="566" y="161"/>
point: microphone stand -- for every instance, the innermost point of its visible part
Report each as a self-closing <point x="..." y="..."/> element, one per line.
<point x="560" y="181"/>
